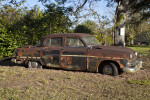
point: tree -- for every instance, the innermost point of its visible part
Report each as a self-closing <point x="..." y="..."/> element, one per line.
<point x="7" y="41"/>
<point x="87" y="27"/>
<point x="9" y="13"/>
<point x="93" y="28"/>
<point x="124" y="11"/>
<point x="143" y="31"/>
<point x="131" y="33"/>
<point x="82" y="29"/>
<point x="142" y="7"/>
<point x="20" y="26"/>
<point x="138" y="32"/>
<point x="57" y="19"/>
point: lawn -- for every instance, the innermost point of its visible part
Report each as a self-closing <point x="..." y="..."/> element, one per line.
<point x="20" y="83"/>
<point x="140" y="49"/>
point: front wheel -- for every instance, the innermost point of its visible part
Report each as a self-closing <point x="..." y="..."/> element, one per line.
<point x="109" y="69"/>
<point x="32" y="64"/>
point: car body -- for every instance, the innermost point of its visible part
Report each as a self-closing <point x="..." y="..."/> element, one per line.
<point x="78" y="51"/>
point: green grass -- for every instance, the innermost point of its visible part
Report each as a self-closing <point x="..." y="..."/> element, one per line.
<point x="140" y="82"/>
<point x="140" y="49"/>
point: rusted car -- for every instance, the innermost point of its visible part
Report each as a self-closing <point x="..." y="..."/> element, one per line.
<point x="78" y="51"/>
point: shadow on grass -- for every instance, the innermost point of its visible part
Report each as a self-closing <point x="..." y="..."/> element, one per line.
<point x="9" y="63"/>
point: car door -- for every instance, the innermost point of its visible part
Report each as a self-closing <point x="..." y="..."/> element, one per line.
<point x="51" y="51"/>
<point x="74" y="54"/>
<point x="30" y="52"/>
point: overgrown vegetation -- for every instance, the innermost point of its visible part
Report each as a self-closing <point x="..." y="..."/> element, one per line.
<point x="20" y="26"/>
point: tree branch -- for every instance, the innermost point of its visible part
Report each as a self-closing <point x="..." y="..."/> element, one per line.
<point x="85" y="1"/>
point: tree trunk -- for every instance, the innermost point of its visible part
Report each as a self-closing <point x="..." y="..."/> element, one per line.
<point x="122" y="12"/>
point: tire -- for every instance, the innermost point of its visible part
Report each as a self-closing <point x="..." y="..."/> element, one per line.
<point x="32" y="64"/>
<point x="109" y="69"/>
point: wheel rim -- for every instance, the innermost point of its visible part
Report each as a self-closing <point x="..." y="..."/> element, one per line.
<point x="32" y="64"/>
<point x="29" y="65"/>
<point x="107" y="69"/>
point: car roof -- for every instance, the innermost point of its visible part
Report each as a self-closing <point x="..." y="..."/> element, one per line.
<point x="67" y="35"/>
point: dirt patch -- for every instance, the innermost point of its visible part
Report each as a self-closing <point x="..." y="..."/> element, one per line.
<point x="18" y="82"/>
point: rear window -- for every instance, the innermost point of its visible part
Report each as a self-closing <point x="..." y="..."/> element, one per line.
<point x="53" y="42"/>
<point x="73" y="42"/>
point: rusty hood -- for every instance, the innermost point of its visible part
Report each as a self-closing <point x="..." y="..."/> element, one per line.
<point x="115" y="48"/>
<point x="112" y="51"/>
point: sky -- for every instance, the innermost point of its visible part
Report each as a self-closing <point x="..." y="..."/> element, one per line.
<point x="31" y="3"/>
<point x="99" y="7"/>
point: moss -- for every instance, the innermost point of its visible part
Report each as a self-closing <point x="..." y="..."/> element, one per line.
<point x="121" y="17"/>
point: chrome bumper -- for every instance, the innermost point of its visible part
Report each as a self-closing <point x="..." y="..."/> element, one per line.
<point x="134" y="67"/>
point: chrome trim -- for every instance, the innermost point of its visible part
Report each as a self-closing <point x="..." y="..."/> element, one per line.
<point x="131" y="56"/>
<point x="136" y="53"/>
<point x="23" y="57"/>
<point x="133" y="68"/>
<point x="90" y="56"/>
<point x="74" y="55"/>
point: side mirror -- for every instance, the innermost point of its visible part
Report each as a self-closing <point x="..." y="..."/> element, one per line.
<point x="90" y="47"/>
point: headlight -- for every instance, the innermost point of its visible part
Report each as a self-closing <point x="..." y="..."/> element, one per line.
<point x="130" y="56"/>
<point x="135" y="53"/>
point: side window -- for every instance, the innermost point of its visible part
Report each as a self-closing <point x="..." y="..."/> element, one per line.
<point x="47" y="43"/>
<point x="73" y="42"/>
<point x="38" y="44"/>
<point x="53" y="42"/>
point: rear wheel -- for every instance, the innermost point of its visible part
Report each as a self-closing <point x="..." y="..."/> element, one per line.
<point x="109" y="69"/>
<point x="33" y="64"/>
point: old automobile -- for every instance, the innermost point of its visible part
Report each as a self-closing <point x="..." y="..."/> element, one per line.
<point x="78" y="51"/>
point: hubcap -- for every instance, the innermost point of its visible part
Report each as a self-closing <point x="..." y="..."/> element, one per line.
<point x="32" y="64"/>
<point x="107" y="70"/>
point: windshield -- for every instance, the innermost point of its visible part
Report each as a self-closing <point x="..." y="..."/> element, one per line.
<point x="91" y="41"/>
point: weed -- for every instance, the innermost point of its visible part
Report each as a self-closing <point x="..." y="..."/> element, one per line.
<point x="3" y="75"/>
<point x="12" y="72"/>
<point x="3" y="72"/>
<point x="44" y="81"/>
<point x="53" y="79"/>
<point x="70" y="77"/>
<point x="9" y="93"/>
<point x="140" y="82"/>
<point x="28" y="90"/>
<point x="1" y="79"/>
<point x="22" y="74"/>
